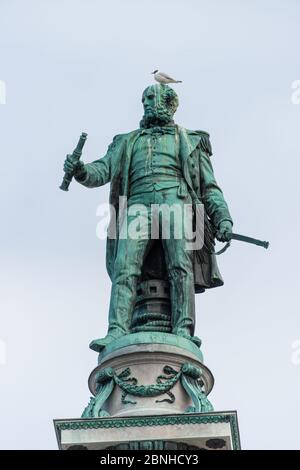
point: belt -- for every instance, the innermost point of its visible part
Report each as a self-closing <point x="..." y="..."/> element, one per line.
<point x="148" y="184"/>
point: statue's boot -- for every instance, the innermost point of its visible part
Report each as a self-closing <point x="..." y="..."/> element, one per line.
<point x="99" y="344"/>
<point x="196" y="340"/>
<point x="184" y="333"/>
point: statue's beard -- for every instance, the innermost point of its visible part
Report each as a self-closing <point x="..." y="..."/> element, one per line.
<point x="158" y="116"/>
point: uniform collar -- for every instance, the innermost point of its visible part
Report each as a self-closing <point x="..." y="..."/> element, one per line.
<point x="168" y="129"/>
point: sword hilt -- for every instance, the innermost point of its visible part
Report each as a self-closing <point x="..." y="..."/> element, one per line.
<point x="253" y="241"/>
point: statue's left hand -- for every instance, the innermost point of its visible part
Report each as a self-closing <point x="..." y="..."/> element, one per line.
<point x="224" y="231"/>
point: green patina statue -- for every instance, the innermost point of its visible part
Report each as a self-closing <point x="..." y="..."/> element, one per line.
<point x="158" y="164"/>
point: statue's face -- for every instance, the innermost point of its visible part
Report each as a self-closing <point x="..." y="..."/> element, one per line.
<point x="158" y="109"/>
<point x="151" y="100"/>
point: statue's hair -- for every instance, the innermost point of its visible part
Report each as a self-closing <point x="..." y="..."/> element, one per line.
<point x="165" y="109"/>
<point x="170" y="97"/>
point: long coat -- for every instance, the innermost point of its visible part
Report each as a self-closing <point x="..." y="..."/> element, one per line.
<point x="195" y="153"/>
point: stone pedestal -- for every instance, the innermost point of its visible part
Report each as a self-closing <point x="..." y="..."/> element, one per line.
<point x="149" y="374"/>
<point x="196" y="431"/>
<point x="150" y="392"/>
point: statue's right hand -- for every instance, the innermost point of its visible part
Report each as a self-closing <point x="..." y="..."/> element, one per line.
<point x="74" y="166"/>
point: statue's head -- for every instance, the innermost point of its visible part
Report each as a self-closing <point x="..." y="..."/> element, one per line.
<point x="160" y="103"/>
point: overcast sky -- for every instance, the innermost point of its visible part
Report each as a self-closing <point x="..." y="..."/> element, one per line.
<point x="81" y="65"/>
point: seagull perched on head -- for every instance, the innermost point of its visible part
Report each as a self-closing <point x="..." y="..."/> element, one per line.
<point x="163" y="78"/>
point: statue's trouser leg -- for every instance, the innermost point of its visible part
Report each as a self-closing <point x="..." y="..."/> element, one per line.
<point x="132" y="249"/>
<point x="179" y="262"/>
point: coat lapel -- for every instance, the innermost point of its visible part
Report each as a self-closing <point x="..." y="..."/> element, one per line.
<point x="130" y="141"/>
<point x="121" y="167"/>
<point x="188" y="143"/>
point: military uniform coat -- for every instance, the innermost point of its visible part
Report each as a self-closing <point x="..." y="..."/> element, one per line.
<point x="195" y="153"/>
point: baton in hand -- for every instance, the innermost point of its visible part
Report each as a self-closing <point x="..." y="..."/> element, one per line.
<point x="77" y="153"/>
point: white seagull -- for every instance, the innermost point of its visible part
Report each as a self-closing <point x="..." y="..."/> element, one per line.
<point x="163" y="78"/>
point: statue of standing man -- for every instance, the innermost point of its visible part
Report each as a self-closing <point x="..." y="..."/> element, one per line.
<point x="160" y="163"/>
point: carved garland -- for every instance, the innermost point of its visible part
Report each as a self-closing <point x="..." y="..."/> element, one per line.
<point x="189" y="375"/>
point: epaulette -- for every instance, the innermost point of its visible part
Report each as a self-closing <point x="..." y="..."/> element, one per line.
<point x="204" y="143"/>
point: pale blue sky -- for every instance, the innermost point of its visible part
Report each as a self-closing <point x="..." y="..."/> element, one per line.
<point x="81" y="65"/>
